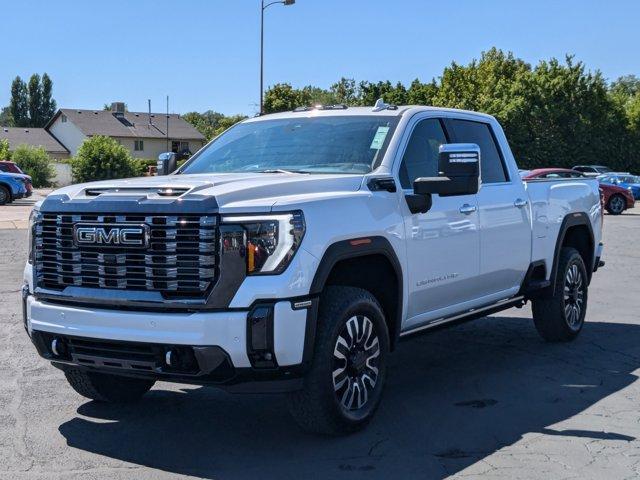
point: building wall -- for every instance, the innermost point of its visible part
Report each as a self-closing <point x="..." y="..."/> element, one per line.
<point x="62" y="177"/>
<point x="154" y="146"/>
<point x="67" y="134"/>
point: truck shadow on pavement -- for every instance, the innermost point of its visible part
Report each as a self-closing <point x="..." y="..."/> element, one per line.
<point x="452" y="398"/>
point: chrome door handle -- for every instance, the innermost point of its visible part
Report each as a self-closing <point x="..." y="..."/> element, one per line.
<point x="520" y="202"/>
<point x="467" y="209"/>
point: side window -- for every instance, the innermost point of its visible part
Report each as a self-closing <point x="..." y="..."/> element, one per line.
<point x="491" y="165"/>
<point x="420" y="159"/>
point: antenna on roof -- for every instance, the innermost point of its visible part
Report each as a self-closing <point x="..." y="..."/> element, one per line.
<point x="167" y="132"/>
<point x="380" y="105"/>
<point x="150" y="122"/>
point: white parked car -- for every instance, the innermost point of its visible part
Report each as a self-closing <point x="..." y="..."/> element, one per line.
<point x="293" y="251"/>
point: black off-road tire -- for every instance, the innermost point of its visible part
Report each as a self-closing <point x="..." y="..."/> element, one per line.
<point x="556" y="317"/>
<point x="616" y="204"/>
<point x="5" y="195"/>
<point x="317" y="407"/>
<point x="103" y="387"/>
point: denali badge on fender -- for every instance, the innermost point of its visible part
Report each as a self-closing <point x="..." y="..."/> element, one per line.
<point x="111" y="235"/>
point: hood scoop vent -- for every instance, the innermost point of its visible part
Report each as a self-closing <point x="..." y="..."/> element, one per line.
<point x="160" y="191"/>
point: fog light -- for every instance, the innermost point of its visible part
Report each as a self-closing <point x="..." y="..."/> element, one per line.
<point x="260" y="337"/>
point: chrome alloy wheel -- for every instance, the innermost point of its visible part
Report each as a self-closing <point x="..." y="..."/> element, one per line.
<point x="573" y="297"/>
<point x="355" y="362"/>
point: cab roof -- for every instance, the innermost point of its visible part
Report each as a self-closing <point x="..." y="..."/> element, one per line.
<point x="333" y="111"/>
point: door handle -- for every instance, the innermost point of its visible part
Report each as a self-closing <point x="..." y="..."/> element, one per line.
<point x="520" y="202"/>
<point x="467" y="209"/>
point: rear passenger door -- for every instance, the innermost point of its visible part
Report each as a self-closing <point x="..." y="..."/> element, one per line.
<point x="505" y="231"/>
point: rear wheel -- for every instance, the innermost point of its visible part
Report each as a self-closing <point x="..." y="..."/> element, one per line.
<point x="5" y="196"/>
<point x="559" y="318"/>
<point x="616" y="204"/>
<point x="103" y="387"/>
<point x="344" y="386"/>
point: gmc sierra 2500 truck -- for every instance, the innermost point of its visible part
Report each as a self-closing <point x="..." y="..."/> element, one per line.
<point x="293" y="251"/>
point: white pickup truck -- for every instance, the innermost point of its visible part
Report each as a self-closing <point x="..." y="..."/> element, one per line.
<point x="293" y="251"/>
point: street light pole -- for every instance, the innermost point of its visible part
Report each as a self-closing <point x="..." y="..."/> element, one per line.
<point x="263" y="8"/>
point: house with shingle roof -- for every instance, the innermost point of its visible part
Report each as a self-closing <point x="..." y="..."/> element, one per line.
<point x="37" y="137"/>
<point x="145" y="135"/>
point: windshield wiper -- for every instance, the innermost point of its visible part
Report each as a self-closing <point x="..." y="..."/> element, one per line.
<point x="280" y="170"/>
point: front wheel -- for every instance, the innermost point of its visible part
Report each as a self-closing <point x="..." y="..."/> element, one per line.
<point x="560" y="317"/>
<point x="616" y="204"/>
<point x="344" y="386"/>
<point x="5" y="196"/>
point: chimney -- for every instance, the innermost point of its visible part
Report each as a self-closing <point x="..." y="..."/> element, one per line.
<point x="117" y="108"/>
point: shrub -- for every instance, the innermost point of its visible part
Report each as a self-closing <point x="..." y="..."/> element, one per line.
<point x="34" y="161"/>
<point x="102" y="158"/>
<point x="4" y="149"/>
<point x="143" y="164"/>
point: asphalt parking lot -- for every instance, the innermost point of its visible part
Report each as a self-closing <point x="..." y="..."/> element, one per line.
<point x="486" y="400"/>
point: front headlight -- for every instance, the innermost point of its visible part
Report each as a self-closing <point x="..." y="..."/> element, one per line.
<point x="269" y="241"/>
<point x="34" y="217"/>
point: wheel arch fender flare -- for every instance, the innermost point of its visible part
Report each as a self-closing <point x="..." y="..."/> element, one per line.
<point x="575" y="219"/>
<point x="360" y="247"/>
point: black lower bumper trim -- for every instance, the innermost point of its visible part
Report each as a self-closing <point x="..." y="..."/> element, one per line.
<point x="196" y="365"/>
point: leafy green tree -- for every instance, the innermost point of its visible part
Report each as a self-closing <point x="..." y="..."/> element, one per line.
<point x="422" y="93"/>
<point x="32" y="105"/>
<point x="369" y="93"/>
<point x="48" y="105"/>
<point x="210" y="123"/>
<point x="4" y="149"/>
<point x="35" y="101"/>
<point x="282" y="97"/>
<point x="6" y="119"/>
<point x="34" y="161"/>
<point x="345" y="91"/>
<point x="102" y="158"/>
<point x="19" y="105"/>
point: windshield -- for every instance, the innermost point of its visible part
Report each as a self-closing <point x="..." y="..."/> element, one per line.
<point x="628" y="179"/>
<point x="338" y="144"/>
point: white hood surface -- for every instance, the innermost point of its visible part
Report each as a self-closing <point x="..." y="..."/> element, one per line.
<point x="232" y="191"/>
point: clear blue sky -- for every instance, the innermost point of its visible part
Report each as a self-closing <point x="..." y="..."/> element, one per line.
<point x="204" y="53"/>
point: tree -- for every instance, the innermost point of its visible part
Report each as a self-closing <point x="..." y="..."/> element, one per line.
<point x="35" y="162"/>
<point x="48" y="107"/>
<point x="422" y="93"/>
<point x="102" y="158"/>
<point x="345" y="91"/>
<point x="282" y="97"/>
<point x="210" y="123"/>
<point x="19" y="106"/>
<point x="32" y="105"/>
<point x="35" y="101"/>
<point x="4" y="149"/>
<point x="6" y="119"/>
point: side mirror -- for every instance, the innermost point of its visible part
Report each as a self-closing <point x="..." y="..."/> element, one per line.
<point x="167" y="163"/>
<point x="458" y="171"/>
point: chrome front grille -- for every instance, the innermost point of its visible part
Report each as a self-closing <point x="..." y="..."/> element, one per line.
<point x="180" y="260"/>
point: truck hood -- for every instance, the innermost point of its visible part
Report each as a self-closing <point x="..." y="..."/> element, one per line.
<point x="201" y="193"/>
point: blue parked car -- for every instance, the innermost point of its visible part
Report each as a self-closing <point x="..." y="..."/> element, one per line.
<point x="624" y="180"/>
<point x="12" y="187"/>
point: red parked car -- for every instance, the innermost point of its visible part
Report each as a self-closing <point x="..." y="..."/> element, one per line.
<point x="615" y="200"/>
<point x="10" y="167"/>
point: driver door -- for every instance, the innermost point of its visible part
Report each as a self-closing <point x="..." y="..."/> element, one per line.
<point x="443" y="244"/>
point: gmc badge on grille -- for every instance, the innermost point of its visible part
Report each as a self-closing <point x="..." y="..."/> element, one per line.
<point x="114" y="235"/>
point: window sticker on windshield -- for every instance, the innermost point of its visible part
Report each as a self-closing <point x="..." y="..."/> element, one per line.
<point x="378" y="138"/>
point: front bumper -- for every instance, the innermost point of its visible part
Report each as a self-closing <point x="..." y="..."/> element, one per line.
<point x="216" y="346"/>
